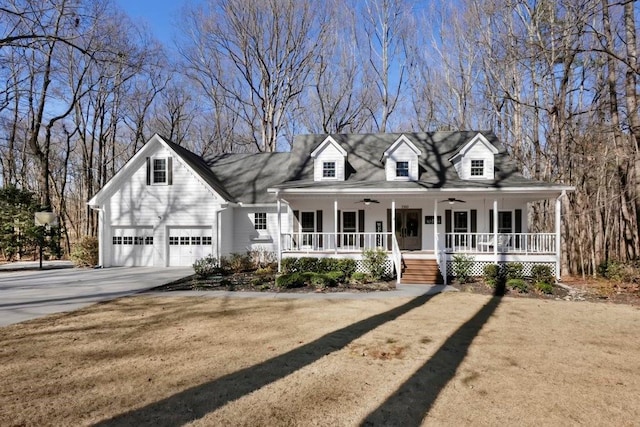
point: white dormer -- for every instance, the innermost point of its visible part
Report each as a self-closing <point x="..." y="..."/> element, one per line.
<point x="329" y="161"/>
<point x="401" y="160"/>
<point x="475" y="160"/>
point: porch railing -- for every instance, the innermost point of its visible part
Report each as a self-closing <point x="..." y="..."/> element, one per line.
<point x="518" y="243"/>
<point x="342" y="242"/>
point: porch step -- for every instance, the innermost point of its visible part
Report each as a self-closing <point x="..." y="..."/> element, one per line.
<point x="421" y="271"/>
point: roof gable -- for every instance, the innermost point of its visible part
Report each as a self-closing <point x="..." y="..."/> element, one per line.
<point x="478" y="138"/>
<point x="402" y="140"/>
<point x="184" y="156"/>
<point x="328" y="140"/>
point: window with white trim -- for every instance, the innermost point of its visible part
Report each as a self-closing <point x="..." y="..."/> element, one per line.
<point x="159" y="171"/>
<point x="260" y="220"/>
<point x="328" y="169"/>
<point x="477" y="167"/>
<point x="402" y="169"/>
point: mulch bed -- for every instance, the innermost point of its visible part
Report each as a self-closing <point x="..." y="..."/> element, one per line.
<point x="571" y="289"/>
<point x="250" y="282"/>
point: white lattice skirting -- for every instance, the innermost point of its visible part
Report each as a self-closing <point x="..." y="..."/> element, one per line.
<point x="478" y="267"/>
<point x="388" y="267"/>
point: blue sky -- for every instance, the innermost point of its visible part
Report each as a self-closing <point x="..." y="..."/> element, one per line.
<point x="158" y="14"/>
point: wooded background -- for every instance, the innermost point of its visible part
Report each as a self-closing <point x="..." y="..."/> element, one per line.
<point x="83" y="87"/>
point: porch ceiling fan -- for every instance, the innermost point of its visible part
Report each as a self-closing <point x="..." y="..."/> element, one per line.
<point x="368" y="201"/>
<point x="452" y="200"/>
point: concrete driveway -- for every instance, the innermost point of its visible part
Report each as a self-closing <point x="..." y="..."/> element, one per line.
<point x="27" y="293"/>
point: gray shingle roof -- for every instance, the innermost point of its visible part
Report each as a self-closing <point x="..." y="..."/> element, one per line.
<point x="245" y="178"/>
<point x="240" y="178"/>
<point x="366" y="169"/>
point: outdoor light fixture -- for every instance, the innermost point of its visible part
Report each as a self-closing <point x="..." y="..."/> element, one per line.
<point x="44" y="219"/>
<point x="368" y="201"/>
<point x="452" y="200"/>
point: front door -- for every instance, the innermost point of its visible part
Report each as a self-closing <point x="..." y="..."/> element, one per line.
<point x="408" y="228"/>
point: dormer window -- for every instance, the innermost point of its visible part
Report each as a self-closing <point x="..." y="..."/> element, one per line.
<point x="328" y="169"/>
<point x="477" y="168"/>
<point x="475" y="159"/>
<point x="402" y="169"/>
<point x="401" y="160"/>
<point x="329" y="161"/>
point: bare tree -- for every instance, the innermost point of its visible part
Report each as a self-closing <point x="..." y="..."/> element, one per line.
<point x="385" y="24"/>
<point x="259" y="54"/>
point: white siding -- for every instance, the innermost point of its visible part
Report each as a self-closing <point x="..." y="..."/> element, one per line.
<point x="402" y="153"/>
<point x="246" y="237"/>
<point x="478" y="151"/>
<point x="329" y="153"/>
<point x="187" y="202"/>
<point x="226" y="225"/>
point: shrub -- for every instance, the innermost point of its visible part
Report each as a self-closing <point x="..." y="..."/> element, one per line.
<point x="544" y="287"/>
<point x="541" y="273"/>
<point x="207" y="266"/>
<point x="308" y="264"/>
<point x="517" y="284"/>
<point x="322" y="280"/>
<point x="328" y="264"/>
<point x="291" y="280"/>
<point x="513" y="270"/>
<point x="620" y="272"/>
<point x="261" y="258"/>
<point x="359" y="277"/>
<point x="491" y="274"/>
<point x="375" y="261"/>
<point x="288" y="265"/>
<point x="264" y="271"/>
<point x="347" y="266"/>
<point x="85" y="252"/>
<point x="238" y="262"/>
<point x="335" y="276"/>
<point x="462" y="265"/>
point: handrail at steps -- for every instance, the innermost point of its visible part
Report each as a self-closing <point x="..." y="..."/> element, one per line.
<point x="396" y="256"/>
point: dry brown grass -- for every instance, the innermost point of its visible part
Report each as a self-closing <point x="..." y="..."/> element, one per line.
<point x="455" y="359"/>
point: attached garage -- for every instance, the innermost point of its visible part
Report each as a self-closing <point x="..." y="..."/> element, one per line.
<point x="187" y="244"/>
<point x="132" y="246"/>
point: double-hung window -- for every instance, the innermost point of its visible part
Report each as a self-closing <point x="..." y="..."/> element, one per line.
<point x="402" y="169"/>
<point x="477" y="167"/>
<point x="328" y="169"/>
<point x="260" y="220"/>
<point x="159" y="171"/>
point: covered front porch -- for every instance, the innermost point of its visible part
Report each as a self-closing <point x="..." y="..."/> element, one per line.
<point x="492" y="228"/>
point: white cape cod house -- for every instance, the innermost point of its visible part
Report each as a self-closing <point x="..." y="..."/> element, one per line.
<point x="422" y="197"/>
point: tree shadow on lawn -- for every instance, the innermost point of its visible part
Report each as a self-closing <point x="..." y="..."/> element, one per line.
<point x="196" y="402"/>
<point x="412" y="400"/>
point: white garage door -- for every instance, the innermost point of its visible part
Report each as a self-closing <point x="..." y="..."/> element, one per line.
<point x="186" y="245"/>
<point x="132" y="246"/>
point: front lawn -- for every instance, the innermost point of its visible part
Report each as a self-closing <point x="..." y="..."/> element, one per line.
<point x="450" y="359"/>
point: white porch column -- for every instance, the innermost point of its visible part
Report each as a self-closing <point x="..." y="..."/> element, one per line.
<point x="495" y="229"/>
<point x="335" y="225"/>
<point x="435" y="230"/>
<point x="393" y="218"/>
<point x="279" y="211"/>
<point x="558" y="219"/>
